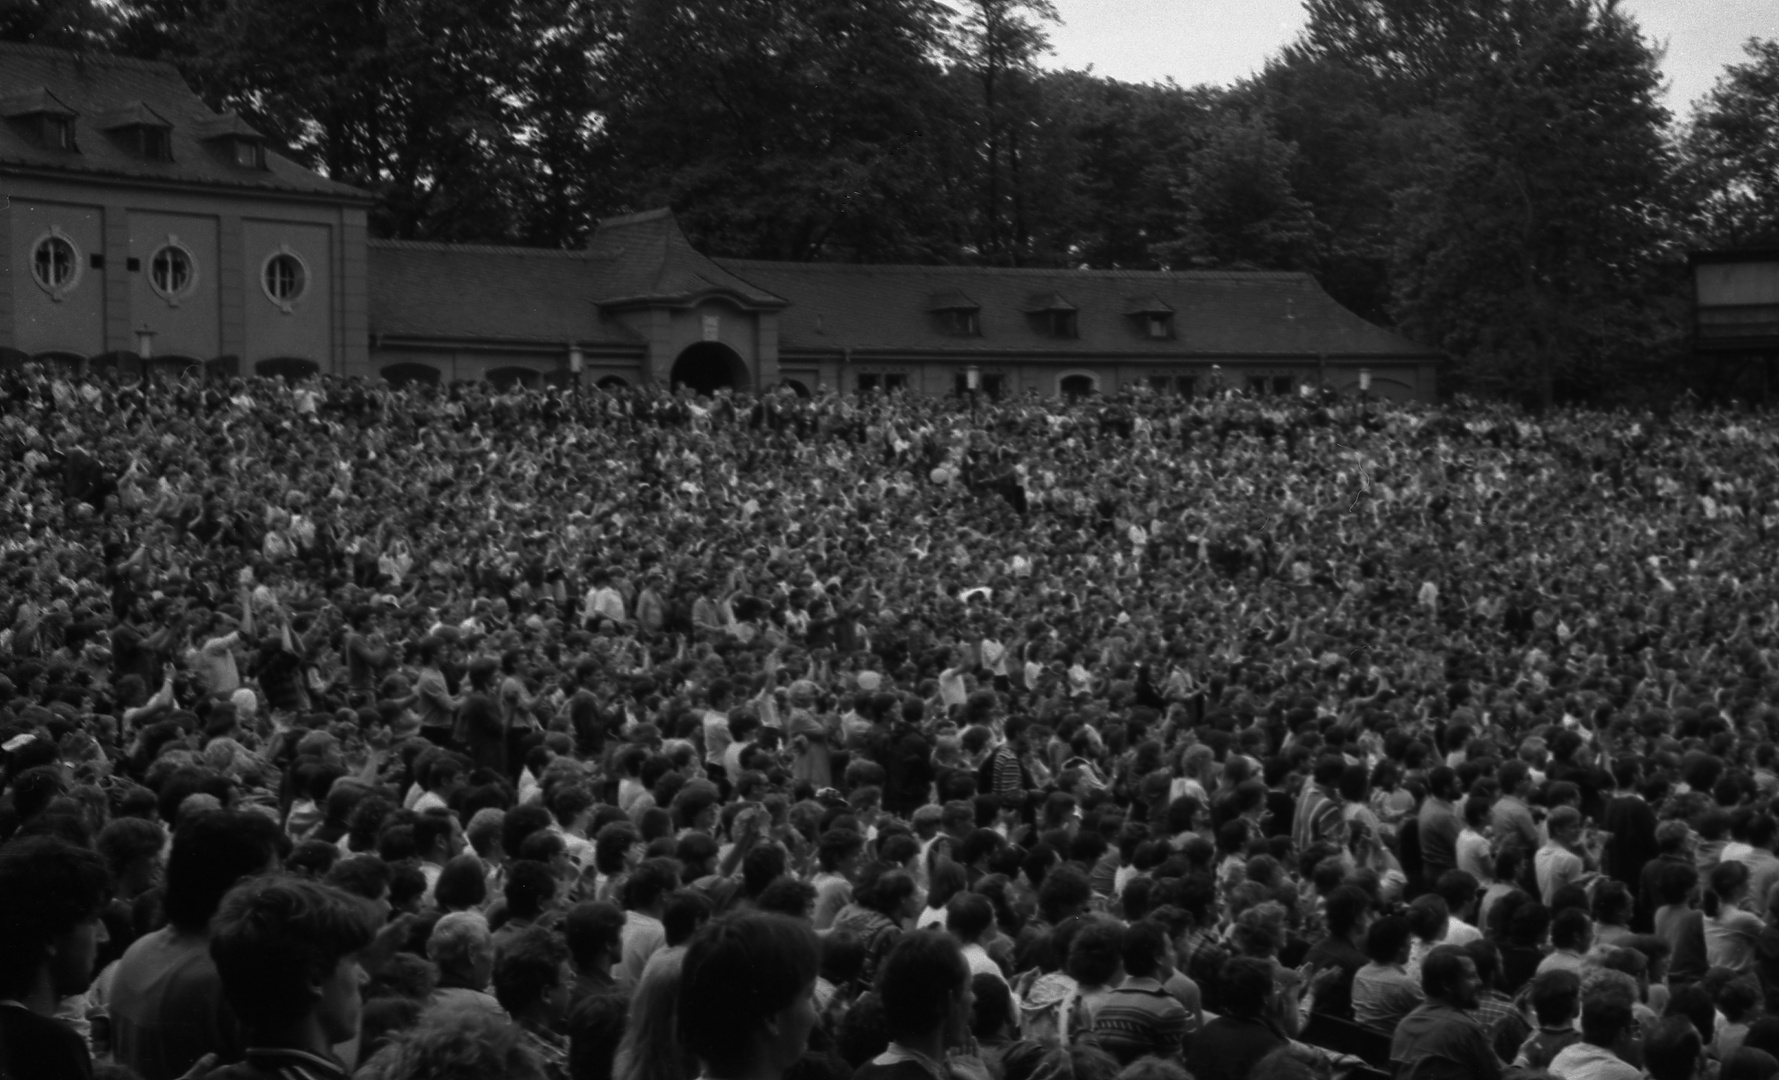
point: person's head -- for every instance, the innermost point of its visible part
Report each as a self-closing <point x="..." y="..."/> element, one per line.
<point x="594" y="930"/>
<point x="51" y="895"/>
<point x="968" y="916"/>
<point x="462" y="884"/>
<point x="747" y="987"/>
<point x="1747" y="1063"/>
<point x="1347" y="911"/>
<point x="1247" y="986"/>
<point x="1448" y="974"/>
<point x="1607" y="1019"/>
<point x="1572" y="930"/>
<point x="683" y="913"/>
<point x="457" y="1041"/>
<point x="1689" y="1000"/>
<point x="1148" y="952"/>
<point x="1611" y="903"/>
<point x="1726" y="886"/>
<point x="286" y="952"/>
<point x="925" y="986"/>
<point x="463" y="948"/>
<point x="1556" y="997"/>
<point x="1387" y="940"/>
<point x="131" y="848"/>
<point x="212" y="851"/>
<point x="1673" y="1050"/>
<point x="532" y="978"/>
<point x="1565" y="825"/>
<point x="530" y="887"/>
<point x="1428" y="918"/>
<point x="1097" y="953"/>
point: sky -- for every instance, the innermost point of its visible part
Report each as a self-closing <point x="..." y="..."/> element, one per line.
<point x="1220" y="41"/>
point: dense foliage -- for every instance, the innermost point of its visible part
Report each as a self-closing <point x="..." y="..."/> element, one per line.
<point x="1496" y="178"/>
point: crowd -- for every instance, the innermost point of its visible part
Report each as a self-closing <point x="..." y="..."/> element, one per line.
<point x="349" y="729"/>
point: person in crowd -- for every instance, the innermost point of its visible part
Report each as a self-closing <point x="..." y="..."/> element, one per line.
<point x="747" y="994"/>
<point x="52" y="897"/>
<point x="1440" y="1038"/>
<point x="802" y="653"/>
<point x="1611" y="1046"/>
<point x="287" y="953"/>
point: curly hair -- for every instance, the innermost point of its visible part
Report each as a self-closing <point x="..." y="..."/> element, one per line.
<point x="459" y="1042"/>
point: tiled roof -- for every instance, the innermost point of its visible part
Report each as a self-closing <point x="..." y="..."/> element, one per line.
<point x="648" y="260"/>
<point x="106" y="90"/>
<point x="463" y="292"/>
<point x="1216" y="313"/>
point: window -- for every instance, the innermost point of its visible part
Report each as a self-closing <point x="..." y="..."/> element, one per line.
<point x="1257" y="385"/>
<point x="994" y="386"/>
<point x="157" y="143"/>
<point x="894" y="382"/>
<point x="58" y="133"/>
<point x="249" y="154"/>
<point x="1161" y="324"/>
<point x="170" y="271"/>
<point x="54" y="263"/>
<point x="1186" y="386"/>
<point x="284" y="278"/>
<point x="962" y="322"/>
<point x="1161" y="384"/>
<point x="1062" y="324"/>
<point x="868" y="383"/>
<point x="1284" y="385"/>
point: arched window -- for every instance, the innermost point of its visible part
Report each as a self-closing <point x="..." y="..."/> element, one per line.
<point x="55" y="264"/>
<point x="284" y="277"/>
<point x="171" y="270"/>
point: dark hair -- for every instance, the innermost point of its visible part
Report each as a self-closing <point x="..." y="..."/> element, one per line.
<point x="686" y="910"/>
<point x="1570" y="929"/>
<point x="211" y="852"/>
<point x="1096" y="952"/>
<point x="526" y="967"/>
<point x="651" y="880"/>
<point x="1247" y="983"/>
<point x="1441" y="968"/>
<point x="994" y="1005"/>
<point x="592" y="928"/>
<point x="738" y="972"/>
<point x="1673" y="1049"/>
<point x="530" y="886"/>
<point x="1145" y="946"/>
<point x="1385" y="939"/>
<point x="1690" y="1000"/>
<point x="787" y="896"/>
<point x="364" y="876"/>
<point x="48" y="886"/>
<point x="275" y="937"/>
<point x="461" y="885"/>
<point x="1556" y="996"/>
<point x="968" y="915"/>
<point x="1344" y="908"/>
<point x="913" y="980"/>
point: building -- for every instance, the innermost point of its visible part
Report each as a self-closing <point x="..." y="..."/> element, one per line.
<point x="147" y="232"/>
<point x="1736" y="318"/>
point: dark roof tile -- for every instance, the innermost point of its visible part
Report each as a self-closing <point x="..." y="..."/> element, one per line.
<point x="102" y="90"/>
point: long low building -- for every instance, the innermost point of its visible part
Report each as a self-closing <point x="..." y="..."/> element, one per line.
<point x="144" y="230"/>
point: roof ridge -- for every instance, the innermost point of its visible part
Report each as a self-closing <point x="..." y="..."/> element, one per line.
<point x="1027" y="271"/>
<point x="93" y="56"/>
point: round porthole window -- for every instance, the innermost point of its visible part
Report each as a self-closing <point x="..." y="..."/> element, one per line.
<point x="171" y="271"/>
<point x="285" y="278"/>
<point x="55" y="264"/>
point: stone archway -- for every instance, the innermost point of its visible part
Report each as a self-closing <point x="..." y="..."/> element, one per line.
<point x="709" y="366"/>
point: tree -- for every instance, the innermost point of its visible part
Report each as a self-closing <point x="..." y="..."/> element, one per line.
<point x="1241" y="210"/>
<point x="787" y="129"/>
<point x="1732" y="152"/>
<point x="63" y="24"/>
<point x="1533" y="243"/>
<point x="998" y="43"/>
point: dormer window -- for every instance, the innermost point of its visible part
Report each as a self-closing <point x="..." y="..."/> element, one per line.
<point x="41" y="117"/>
<point x="234" y="140"/>
<point x="141" y="129"/>
<point x="1054" y="315"/>
<point x="957" y="314"/>
<point x="1153" y="318"/>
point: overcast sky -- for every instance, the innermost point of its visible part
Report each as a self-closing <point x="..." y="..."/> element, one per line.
<point x="1220" y="41"/>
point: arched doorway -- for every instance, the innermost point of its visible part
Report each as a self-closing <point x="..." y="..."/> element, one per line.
<point x="709" y="366"/>
<point x="797" y="387"/>
<point x="1077" y="386"/>
<point x="288" y="368"/>
<point x="409" y="372"/>
<point x="505" y="378"/>
<point x="611" y="384"/>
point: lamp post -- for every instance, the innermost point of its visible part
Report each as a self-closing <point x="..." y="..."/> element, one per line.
<point x="145" y="343"/>
<point x="973" y="380"/>
<point x="1365" y="390"/>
